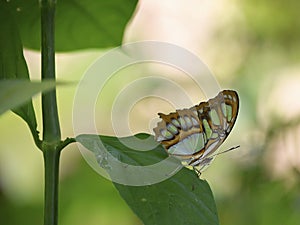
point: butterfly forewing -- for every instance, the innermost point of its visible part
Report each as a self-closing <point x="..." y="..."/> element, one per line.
<point x="194" y="134"/>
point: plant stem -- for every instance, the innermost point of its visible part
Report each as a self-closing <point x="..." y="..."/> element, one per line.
<point x="51" y="162"/>
<point x="51" y="128"/>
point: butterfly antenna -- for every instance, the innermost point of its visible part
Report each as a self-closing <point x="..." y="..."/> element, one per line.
<point x="228" y="150"/>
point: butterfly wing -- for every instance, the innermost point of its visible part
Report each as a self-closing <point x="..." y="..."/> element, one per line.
<point x="220" y="113"/>
<point x="194" y="134"/>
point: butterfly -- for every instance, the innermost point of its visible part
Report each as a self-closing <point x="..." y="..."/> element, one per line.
<point x="193" y="135"/>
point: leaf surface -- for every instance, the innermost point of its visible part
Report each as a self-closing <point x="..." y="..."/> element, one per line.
<point x="13" y="66"/>
<point x="180" y="199"/>
<point x="78" y="25"/>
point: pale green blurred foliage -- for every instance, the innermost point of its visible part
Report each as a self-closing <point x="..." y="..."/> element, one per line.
<point x="252" y="47"/>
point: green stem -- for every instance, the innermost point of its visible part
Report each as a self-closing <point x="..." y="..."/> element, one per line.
<point x="51" y="161"/>
<point x="51" y="128"/>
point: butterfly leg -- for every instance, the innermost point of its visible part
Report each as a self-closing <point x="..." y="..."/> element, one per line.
<point x="197" y="171"/>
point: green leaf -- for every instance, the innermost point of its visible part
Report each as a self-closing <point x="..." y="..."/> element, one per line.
<point x="12" y="63"/>
<point x="181" y="199"/>
<point x="14" y="93"/>
<point x="79" y="24"/>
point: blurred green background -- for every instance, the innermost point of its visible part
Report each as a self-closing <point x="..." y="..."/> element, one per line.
<point x="252" y="47"/>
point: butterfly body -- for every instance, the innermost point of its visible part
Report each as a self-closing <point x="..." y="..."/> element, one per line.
<point x="194" y="134"/>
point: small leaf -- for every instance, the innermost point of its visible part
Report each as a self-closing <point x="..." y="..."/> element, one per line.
<point x="79" y="24"/>
<point x="12" y="63"/>
<point x="14" y="93"/>
<point x="181" y="199"/>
